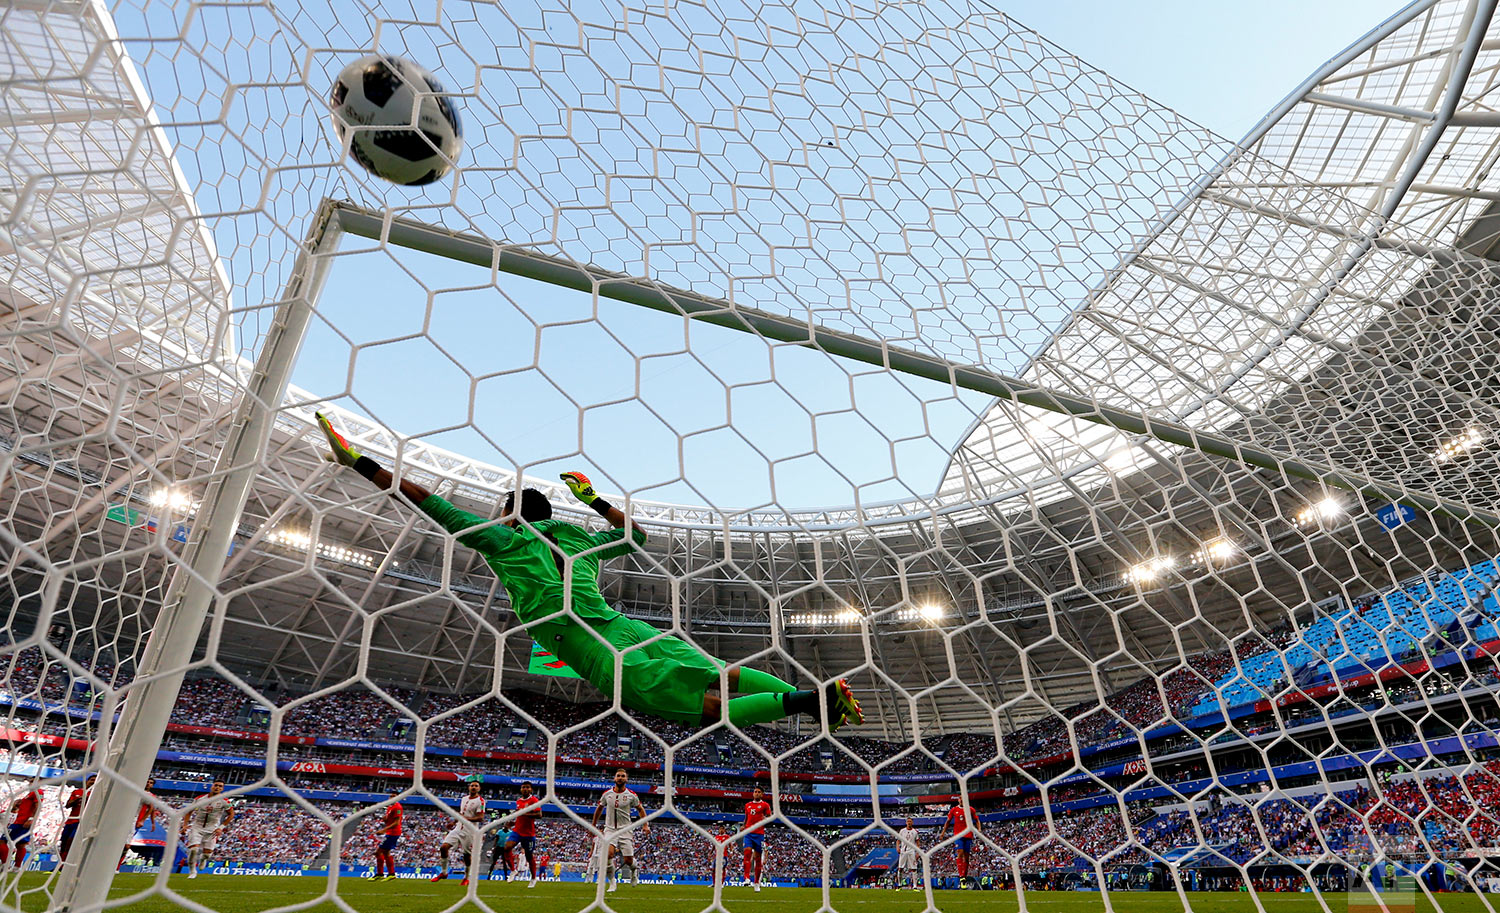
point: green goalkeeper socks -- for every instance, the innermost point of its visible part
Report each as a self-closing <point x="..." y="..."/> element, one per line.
<point x="756" y="708"/>
<point x="766" y="699"/>
<point x="753" y="681"/>
<point x="768" y="707"/>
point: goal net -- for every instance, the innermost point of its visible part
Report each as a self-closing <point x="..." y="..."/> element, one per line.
<point x="1140" y="484"/>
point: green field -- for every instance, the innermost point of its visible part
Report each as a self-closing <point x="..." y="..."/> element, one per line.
<point x="250" y="894"/>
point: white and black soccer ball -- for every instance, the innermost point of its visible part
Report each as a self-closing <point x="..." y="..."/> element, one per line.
<point x="396" y="120"/>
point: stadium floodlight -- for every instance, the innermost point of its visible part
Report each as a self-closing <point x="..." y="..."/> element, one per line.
<point x="1214" y="551"/>
<point x="841" y="617"/>
<point x="176" y="500"/>
<point x="1151" y="569"/>
<point x="918" y="613"/>
<point x="290" y="538"/>
<point x="1320" y="511"/>
<point x="1457" y="446"/>
<point x="303" y="541"/>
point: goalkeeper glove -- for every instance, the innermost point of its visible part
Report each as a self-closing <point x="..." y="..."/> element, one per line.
<point x="342" y="453"/>
<point x="583" y="490"/>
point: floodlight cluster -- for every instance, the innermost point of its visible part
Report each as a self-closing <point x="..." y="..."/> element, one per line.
<point x="1150" y="569"/>
<point x="1214" y="551"/>
<point x="301" y="541"/>
<point x="815" y="619"/>
<point x="1320" y="511"/>
<point x="927" y="612"/>
<point x="1460" y="444"/>
<point x="175" y="500"/>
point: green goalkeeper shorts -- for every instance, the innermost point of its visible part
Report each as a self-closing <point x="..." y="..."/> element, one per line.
<point x="666" y="677"/>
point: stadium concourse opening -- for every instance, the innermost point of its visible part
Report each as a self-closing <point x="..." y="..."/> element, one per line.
<point x="1053" y="494"/>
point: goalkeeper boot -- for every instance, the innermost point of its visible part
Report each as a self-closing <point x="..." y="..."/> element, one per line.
<point x="842" y="706"/>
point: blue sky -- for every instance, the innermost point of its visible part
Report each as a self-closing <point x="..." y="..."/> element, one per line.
<point x="702" y="415"/>
<point x="1222" y="63"/>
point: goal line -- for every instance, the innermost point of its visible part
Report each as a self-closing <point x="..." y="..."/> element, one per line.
<point x="481" y="251"/>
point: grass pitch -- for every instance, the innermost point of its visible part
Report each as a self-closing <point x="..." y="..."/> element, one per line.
<point x="253" y="894"/>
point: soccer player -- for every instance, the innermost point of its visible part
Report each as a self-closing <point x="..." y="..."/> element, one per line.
<point x="22" y="818"/>
<point x="390" y="834"/>
<point x="464" y="834"/>
<point x="961" y="819"/>
<point x="73" y="812"/>
<point x="616" y="805"/>
<point x="595" y="868"/>
<point x="146" y="813"/>
<point x="757" y="810"/>
<point x="907" y="867"/>
<point x="721" y="847"/>
<point x="205" y="824"/>
<point x="533" y="554"/>
<point x="522" y="834"/>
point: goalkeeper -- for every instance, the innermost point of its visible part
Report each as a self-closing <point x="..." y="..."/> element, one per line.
<point x="532" y="554"/>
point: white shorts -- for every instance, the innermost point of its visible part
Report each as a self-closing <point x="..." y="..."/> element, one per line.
<point x="622" y="840"/>
<point x="907" y="861"/>
<point x="461" y="837"/>
<point x="202" y="837"/>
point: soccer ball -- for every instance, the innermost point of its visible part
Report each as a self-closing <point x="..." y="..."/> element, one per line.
<point x="395" y="119"/>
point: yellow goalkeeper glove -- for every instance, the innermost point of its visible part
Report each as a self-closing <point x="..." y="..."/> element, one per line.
<point x="341" y="453"/>
<point x="583" y="490"/>
<point x="580" y="486"/>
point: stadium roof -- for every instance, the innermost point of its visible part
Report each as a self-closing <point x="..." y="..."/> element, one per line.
<point x="1394" y="138"/>
<point x="99" y="217"/>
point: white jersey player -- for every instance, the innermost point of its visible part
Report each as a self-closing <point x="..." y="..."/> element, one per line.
<point x="594" y="870"/>
<point x="907" y="865"/>
<point x="464" y="835"/>
<point x="616" y="806"/>
<point x="203" y="824"/>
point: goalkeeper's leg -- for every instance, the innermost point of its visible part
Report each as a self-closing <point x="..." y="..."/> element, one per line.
<point x="669" y="677"/>
<point x="768" y="707"/>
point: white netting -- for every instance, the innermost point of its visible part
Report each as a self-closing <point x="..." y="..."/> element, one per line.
<point x="1203" y="598"/>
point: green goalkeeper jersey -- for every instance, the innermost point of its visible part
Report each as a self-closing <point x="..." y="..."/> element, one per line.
<point x="528" y="567"/>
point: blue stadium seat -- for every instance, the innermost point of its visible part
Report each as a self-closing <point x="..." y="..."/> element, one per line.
<point x="1393" y="627"/>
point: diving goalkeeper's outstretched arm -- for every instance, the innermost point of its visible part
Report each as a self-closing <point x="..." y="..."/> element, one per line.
<point x="345" y="455"/>
<point x="583" y="490"/>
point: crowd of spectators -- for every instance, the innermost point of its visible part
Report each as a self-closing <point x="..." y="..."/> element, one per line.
<point x="590" y="730"/>
<point x="349" y="714"/>
<point x="209" y="701"/>
<point x="1138" y="707"/>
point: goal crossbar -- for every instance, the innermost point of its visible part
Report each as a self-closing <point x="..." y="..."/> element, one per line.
<point x="560" y="271"/>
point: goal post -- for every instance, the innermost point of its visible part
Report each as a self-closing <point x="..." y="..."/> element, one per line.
<point x="129" y="745"/>
<point x="385" y="228"/>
